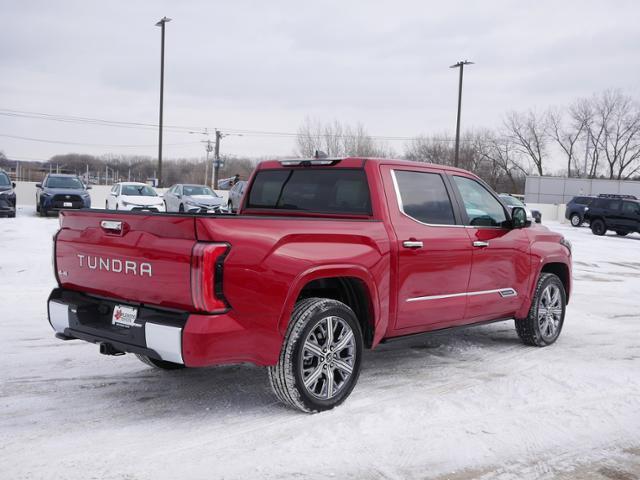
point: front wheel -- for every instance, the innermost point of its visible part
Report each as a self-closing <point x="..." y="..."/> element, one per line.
<point x="576" y="221"/>
<point x="320" y="360"/>
<point x="161" y="364"/>
<point x="230" y="206"/>
<point x="543" y="325"/>
<point x="598" y="227"/>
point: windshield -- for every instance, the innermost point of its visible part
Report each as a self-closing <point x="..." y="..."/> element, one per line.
<point x="190" y="190"/>
<point x="4" y="180"/>
<point x="511" y="201"/>
<point x="138" y="191"/>
<point x="65" y="182"/>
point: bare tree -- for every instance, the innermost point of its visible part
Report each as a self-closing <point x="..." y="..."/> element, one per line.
<point x="566" y="134"/>
<point x="528" y="132"/>
<point x="616" y="133"/>
<point x="338" y="140"/>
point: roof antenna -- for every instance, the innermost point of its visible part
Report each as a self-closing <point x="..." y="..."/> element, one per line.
<point x="320" y="154"/>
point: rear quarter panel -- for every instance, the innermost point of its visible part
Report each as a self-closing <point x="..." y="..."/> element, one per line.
<point x="270" y="262"/>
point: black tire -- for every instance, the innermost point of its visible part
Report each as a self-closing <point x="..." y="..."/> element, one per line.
<point x="598" y="227"/>
<point x="529" y="329"/>
<point x="286" y="376"/>
<point x="576" y="220"/>
<point x="161" y="364"/>
<point x="116" y="205"/>
<point x="181" y="208"/>
<point x="230" y="206"/>
<point x="37" y="206"/>
<point x="12" y="215"/>
<point x="106" y="205"/>
<point x="43" y="212"/>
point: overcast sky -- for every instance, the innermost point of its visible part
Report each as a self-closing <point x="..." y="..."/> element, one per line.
<point x="265" y="66"/>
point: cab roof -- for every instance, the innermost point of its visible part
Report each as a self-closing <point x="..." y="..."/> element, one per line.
<point x="349" y="162"/>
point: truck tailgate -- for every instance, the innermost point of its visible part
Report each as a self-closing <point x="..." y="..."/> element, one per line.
<point x="137" y="258"/>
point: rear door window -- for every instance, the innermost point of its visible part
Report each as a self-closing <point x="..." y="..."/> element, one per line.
<point x="423" y="197"/>
<point x="314" y="190"/>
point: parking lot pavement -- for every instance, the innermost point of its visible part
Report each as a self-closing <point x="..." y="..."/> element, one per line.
<point x="471" y="404"/>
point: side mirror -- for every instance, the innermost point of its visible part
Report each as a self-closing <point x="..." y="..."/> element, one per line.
<point x="38" y="185"/>
<point x="519" y="218"/>
<point x="178" y="195"/>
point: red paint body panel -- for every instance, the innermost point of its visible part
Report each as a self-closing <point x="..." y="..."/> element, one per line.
<point x="272" y="255"/>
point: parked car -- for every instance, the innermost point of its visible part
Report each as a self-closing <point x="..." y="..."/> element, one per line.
<point x="134" y="196"/>
<point x="325" y="258"/>
<point x="60" y="191"/>
<point x="235" y="195"/>
<point x="7" y="196"/>
<point x="192" y="199"/>
<point x="576" y="209"/>
<point x="511" y="201"/>
<point x="617" y="213"/>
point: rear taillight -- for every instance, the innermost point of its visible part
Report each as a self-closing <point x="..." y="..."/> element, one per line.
<point x="206" y="277"/>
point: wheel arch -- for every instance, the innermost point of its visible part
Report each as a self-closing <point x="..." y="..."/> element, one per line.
<point x="351" y="285"/>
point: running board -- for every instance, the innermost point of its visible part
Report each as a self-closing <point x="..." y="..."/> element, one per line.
<point x="444" y="330"/>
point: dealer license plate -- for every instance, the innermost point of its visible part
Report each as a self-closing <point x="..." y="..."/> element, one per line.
<point x="125" y="316"/>
<point x="67" y="204"/>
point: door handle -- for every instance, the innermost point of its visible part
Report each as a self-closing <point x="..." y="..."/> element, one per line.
<point x="412" y="244"/>
<point x="481" y="244"/>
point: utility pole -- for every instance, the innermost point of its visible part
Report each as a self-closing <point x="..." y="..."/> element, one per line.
<point x="586" y="154"/>
<point x="216" y="161"/>
<point x="161" y="24"/>
<point x="208" y="149"/>
<point x="459" y="65"/>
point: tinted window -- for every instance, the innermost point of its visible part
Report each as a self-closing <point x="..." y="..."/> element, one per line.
<point x="482" y="208"/>
<point x="4" y="180"/>
<point x="631" y="208"/>
<point x="608" y="204"/>
<point x="138" y="191"/>
<point x="329" y="190"/>
<point x="424" y="197"/>
<point x="64" y="182"/>
<point x="582" y="200"/>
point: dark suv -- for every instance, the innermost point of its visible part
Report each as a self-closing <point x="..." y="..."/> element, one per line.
<point x="576" y="209"/>
<point x="7" y="196"/>
<point x="618" y="213"/>
<point x="59" y="191"/>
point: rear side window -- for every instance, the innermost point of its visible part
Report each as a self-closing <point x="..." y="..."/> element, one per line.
<point x="424" y="197"/>
<point x="315" y="190"/>
<point x="608" y="204"/>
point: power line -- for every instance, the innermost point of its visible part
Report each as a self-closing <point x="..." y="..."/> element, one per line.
<point x="42" y="140"/>
<point x="188" y="129"/>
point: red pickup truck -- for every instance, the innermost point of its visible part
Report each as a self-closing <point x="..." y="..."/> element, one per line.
<point x="325" y="257"/>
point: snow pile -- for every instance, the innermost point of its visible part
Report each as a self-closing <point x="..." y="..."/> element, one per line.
<point x="476" y="402"/>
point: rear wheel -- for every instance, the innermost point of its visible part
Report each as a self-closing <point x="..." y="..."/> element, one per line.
<point x="543" y="325"/>
<point x="161" y="364"/>
<point x="181" y="208"/>
<point x="106" y="205"/>
<point x="598" y="227"/>
<point x="320" y="360"/>
<point x="576" y="220"/>
<point x="621" y="233"/>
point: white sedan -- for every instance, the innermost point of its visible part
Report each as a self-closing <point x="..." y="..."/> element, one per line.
<point x="134" y="196"/>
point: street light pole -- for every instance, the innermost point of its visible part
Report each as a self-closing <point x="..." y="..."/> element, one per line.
<point x="459" y="65"/>
<point x="161" y="23"/>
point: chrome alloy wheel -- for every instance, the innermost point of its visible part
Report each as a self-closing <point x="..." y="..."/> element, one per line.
<point x="550" y="312"/>
<point x="328" y="357"/>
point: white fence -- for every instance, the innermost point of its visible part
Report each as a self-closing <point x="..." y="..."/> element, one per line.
<point x="559" y="190"/>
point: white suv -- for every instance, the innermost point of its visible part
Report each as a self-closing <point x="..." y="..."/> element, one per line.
<point x="134" y="196"/>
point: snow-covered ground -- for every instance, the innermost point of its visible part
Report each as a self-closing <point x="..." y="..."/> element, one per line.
<point x="473" y="404"/>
